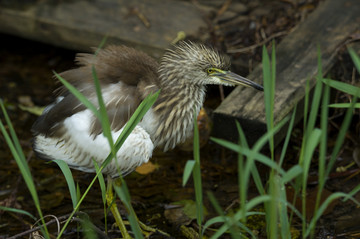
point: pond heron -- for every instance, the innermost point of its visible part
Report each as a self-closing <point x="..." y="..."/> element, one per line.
<point x="68" y="131"/>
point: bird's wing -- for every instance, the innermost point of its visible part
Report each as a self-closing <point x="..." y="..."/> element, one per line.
<point x="49" y="122"/>
<point x="124" y="76"/>
<point x="121" y="101"/>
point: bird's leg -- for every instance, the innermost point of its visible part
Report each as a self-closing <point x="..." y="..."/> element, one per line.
<point x="111" y="203"/>
<point x="145" y="229"/>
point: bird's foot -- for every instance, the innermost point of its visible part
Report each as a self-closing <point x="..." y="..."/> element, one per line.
<point x="148" y="230"/>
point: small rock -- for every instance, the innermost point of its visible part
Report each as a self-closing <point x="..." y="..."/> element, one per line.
<point x="238" y="7"/>
<point x="260" y="11"/>
<point x="25" y="100"/>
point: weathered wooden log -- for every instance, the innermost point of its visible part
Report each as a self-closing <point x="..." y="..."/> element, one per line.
<point x="79" y="25"/>
<point x="327" y="27"/>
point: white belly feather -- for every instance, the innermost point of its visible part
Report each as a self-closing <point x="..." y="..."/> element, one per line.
<point x="78" y="148"/>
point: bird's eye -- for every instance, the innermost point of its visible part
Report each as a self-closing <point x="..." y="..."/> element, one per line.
<point x="210" y="71"/>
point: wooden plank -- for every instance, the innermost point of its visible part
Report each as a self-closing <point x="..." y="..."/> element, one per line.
<point x="328" y="27"/>
<point x="80" y="25"/>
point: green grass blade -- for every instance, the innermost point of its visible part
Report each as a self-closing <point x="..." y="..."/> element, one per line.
<point x="13" y="135"/>
<point x="353" y="192"/>
<point x="272" y="93"/>
<point x="101" y="182"/>
<point x="21" y="162"/>
<point x="229" y="223"/>
<point x="15" y="210"/>
<point x="124" y="196"/>
<point x="341" y="136"/>
<point x="344" y="105"/>
<point x="323" y="144"/>
<point x="15" y="148"/>
<point x="131" y="124"/>
<point x="250" y="153"/>
<point x="88" y="229"/>
<point x="221" y="231"/>
<point x="78" y="191"/>
<point x="309" y="122"/>
<point x="323" y="207"/>
<point x="69" y="179"/>
<point x="257" y="179"/>
<point x="257" y="201"/>
<point x="137" y="116"/>
<point x="101" y="45"/>
<point x="316" y="99"/>
<point x="224" y="229"/>
<point x="271" y="208"/>
<point x="306" y="103"/>
<point x="269" y="92"/>
<point x="269" y="134"/>
<point x="77" y="206"/>
<point x="292" y="207"/>
<point x="78" y="95"/>
<point x="188" y="170"/>
<point x="197" y="176"/>
<point x="348" y="116"/>
<point x="259" y="144"/>
<point x="242" y="137"/>
<point x="287" y="137"/>
<point x="103" y="191"/>
<point x="341" y="86"/>
<point x="273" y="73"/>
<point x="104" y="119"/>
<point x="355" y="58"/>
<point x="281" y="206"/>
<point x="243" y="176"/>
<point x="243" y="187"/>
<point x="292" y="173"/>
<point x="311" y="144"/>
<point x="267" y="84"/>
<point x="211" y="221"/>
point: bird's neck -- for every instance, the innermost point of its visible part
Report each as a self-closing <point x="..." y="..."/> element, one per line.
<point x="175" y="109"/>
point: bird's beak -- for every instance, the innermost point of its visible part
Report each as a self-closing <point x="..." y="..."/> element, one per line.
<point x="234" y="79"/>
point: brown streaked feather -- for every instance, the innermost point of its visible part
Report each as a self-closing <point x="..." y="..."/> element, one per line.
<point x="114" y="64"/>
<point x="119" y="108"/>
<point x="126" y="71"/>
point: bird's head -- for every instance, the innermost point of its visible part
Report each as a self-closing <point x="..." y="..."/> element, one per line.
<point x="191" y="63"/>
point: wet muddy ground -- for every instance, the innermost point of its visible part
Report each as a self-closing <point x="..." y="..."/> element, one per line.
<point x="26" y="79"/>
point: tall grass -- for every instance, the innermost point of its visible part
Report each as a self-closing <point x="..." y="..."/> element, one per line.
<point x="193" y="167"/>
<point x="272" y="197"/>
<point x="18" y="154"/>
